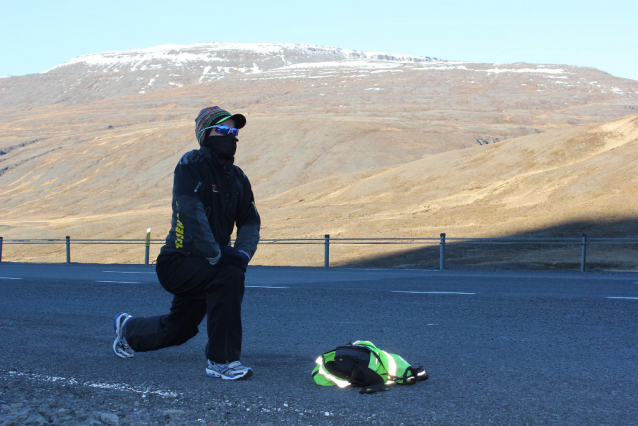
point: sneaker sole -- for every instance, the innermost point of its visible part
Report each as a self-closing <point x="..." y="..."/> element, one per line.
<point x="115" y="325"/>
<point x="117" y="328"/>
<point x="211" y="373"/>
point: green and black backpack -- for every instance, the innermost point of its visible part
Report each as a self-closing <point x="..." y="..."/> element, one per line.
<point x="363" y="364"/>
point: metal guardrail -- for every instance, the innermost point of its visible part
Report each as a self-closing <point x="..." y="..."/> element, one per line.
<point x="326" y="241"/>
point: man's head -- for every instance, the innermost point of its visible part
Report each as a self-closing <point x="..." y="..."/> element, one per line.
<point x="212" y="116"/>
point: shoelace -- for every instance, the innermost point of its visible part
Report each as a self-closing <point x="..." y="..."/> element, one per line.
<point x="227" y="368"/>
<point x="124" y="344"/>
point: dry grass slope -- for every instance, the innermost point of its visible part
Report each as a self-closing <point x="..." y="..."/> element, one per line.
<point x="521" y="186"/>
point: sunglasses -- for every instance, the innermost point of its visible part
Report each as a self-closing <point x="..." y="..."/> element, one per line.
<point x="224" y="130"/>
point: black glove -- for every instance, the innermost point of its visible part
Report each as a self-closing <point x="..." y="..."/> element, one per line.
<point x="232" y="256"/>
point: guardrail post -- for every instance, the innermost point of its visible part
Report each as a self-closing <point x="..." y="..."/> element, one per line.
<point x="583" y="254"/>
<point x="148" y="245"/>
<point x="68" y="249"/>
<point x="442" y="252"/>
<point x="326" y="254"/>
<point x="1" y="249"/>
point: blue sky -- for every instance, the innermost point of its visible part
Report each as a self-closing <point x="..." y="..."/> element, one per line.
<point x="39" y="34"/>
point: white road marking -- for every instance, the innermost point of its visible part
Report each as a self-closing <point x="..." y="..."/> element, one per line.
<point x="620" y="297"/>
<point x="391" y="270"/>
<point x="119" y="282"/>
<point x="262" y="286"/>
<point x="9" y="278"/>
<point x="145" y="391"/>
<point x="430" y="292"/>
<point x="123" y="272"/>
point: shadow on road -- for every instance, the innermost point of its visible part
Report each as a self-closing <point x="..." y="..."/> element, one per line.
<point x="460" y="254"/>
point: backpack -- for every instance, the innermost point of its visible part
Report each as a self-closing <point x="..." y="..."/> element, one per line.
<point x="364" y="365"/>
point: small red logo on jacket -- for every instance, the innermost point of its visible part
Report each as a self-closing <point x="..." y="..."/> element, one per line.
<point x="215" y="188"/>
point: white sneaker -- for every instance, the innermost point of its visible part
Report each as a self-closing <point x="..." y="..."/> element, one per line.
<point x="120" y="346"/>
<point x="232" y="371"/>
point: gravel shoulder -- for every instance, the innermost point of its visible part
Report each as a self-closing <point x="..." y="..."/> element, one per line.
<point x="28" y="400"/>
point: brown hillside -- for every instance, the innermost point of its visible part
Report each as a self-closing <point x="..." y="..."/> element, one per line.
<point x="521" y="185"/>
<point x="524" y="183"/>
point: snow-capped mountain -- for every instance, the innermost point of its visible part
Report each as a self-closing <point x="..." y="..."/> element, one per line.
<point x="110" y="75"/>
<point x="122" y="73"/>
<point x="222" y="58"/>
<point x="178" y="65"/>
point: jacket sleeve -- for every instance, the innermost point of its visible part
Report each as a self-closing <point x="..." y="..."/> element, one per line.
<point x="190" y="211"/>
<point x="248" y="221"/>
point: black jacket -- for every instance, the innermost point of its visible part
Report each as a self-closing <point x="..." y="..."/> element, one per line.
<point x="208" y="200"/>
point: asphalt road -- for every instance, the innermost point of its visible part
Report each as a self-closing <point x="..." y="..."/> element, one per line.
<point x="500" y="348"/>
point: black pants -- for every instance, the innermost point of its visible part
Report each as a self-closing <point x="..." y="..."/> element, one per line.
<point x="199" y="289"/>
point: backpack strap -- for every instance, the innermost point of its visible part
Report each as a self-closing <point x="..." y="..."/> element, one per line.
<point x="421" y="374"/>
<point x="412" y="375"/>
<point x="376" y="355"/>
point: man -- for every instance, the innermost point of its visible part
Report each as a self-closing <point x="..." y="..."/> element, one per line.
<point x="197" y="265"/>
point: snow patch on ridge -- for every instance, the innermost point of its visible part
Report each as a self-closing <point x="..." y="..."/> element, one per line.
<point x="526" y="70"/>
<point x="137" y="58"/>
<point x="341" y="64"/>
<point x="206" y="69"/>
<point x="453" y="66"/>
<point x="443" y="68"/>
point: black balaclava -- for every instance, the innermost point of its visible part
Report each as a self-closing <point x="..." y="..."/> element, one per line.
<point x="224" y="146"/>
